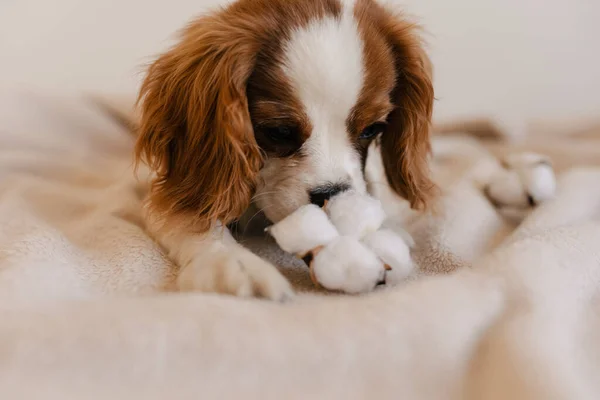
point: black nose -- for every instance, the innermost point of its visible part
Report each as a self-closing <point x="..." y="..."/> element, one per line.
<point x="320" y="194"/>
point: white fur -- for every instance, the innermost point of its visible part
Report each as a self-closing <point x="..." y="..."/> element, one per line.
<point x="526" y="175"/>
<point x="324" y="63"/>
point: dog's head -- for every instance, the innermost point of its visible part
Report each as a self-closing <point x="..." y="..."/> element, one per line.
<point x="278" y="101"/>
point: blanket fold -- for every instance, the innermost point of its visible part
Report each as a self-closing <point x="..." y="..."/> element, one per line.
<point x="497" y="310"/>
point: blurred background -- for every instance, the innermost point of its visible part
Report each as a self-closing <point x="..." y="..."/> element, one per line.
<point x="513" y="59"/>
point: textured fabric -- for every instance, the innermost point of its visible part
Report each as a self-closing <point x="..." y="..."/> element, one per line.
<point x="494" y="312"/>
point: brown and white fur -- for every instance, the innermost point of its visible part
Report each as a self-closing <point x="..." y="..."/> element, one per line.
<point x="276" y="103"/>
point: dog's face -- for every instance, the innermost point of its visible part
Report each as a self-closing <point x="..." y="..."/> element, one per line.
<point x="278" y="102"/>
<point x="315" y="110"/>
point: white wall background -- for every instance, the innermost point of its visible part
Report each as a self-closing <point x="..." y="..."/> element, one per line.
<point x="510" y="58"/>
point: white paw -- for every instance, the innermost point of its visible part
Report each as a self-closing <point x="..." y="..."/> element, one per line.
<point x="526" y="181"/>
<point x="235" y="271"/>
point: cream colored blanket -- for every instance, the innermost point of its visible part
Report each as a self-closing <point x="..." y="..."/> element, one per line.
<point x="85" y="311"/>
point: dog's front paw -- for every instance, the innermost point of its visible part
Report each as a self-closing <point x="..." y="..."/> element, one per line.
<point x="525" y="181"/>
<point x="235" y="271"/>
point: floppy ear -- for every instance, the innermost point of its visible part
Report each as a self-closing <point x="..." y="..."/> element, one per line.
<point x="195" y="130"/>
<point x="405" y="144"/>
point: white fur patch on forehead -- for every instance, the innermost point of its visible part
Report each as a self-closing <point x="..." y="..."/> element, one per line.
<point x="324" y="62"/>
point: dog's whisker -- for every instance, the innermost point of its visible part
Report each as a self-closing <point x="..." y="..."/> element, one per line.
<point x="248" y="223"/>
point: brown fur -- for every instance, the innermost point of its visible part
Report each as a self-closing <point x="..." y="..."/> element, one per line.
<point x="405" y="145"/>
<point x="195" y="130"/>
<point x="194" y="117"/>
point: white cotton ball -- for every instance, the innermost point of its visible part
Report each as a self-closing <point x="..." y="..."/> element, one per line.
<point x="540" y="182"/>
<point x="393" y="251"/>
<point x="306" y="228"/>
<point x="354" y="214"/>
<point x="348" y="266"/>
<point x="506" y="189"/>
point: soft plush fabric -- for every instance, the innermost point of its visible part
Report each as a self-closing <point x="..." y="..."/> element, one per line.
<point x="495" y="312"/>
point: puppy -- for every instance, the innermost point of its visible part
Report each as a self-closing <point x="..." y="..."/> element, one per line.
<point x="276" y="103"/>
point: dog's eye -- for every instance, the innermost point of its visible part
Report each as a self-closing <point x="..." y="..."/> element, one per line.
<point x="279" y="134"/>
<point x="279" y="140"/>
<point x="372" y="130"/>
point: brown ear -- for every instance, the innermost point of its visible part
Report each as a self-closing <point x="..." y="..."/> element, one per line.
<point x="195" y="130"/>
<point x="405" y="144"/>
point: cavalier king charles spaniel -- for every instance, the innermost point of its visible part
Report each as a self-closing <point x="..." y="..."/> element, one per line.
<point x="276" y="103"/>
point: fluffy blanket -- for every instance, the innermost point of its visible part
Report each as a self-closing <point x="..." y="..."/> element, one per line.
<point x="496" y="311"/>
